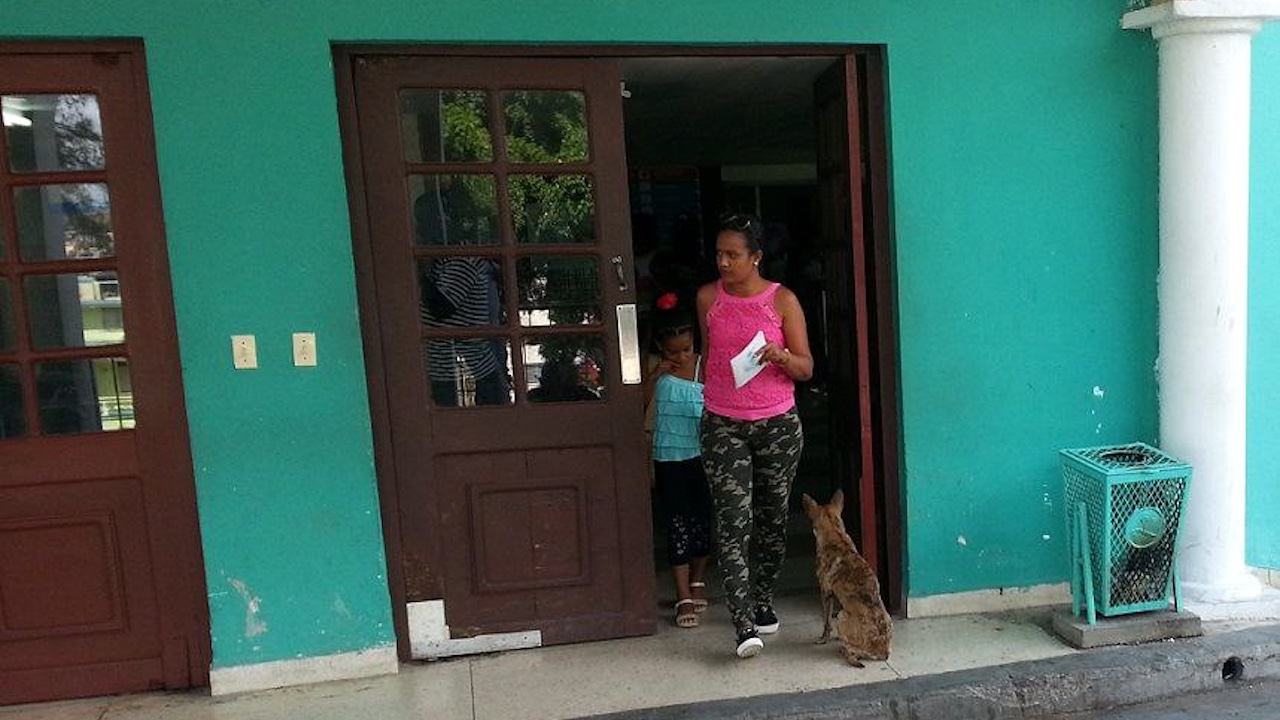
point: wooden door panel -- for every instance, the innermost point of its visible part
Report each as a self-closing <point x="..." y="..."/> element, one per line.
<point x="101" y="584"/>
<point x="528" y="509"/>
<point x="539" y="427"/>
<point x="528" y="536"/>
<point x="87" y="537"/>
<point x="26" y="462"/>
<point x="43" y="557"/>
<point x="542" y="537"/>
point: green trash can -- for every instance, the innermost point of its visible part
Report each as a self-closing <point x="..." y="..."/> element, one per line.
<point x="1123" y="511"/>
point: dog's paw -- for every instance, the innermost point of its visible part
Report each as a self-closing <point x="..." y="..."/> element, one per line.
<point x="851" y="657"/>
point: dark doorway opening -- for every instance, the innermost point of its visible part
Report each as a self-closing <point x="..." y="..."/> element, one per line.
<point x="712" y="134"/>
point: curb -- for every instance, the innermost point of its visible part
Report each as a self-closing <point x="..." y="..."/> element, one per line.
<point x="1090" y="680"/>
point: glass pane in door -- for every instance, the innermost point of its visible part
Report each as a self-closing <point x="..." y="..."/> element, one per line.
<point x="454" y="209"/>
<point x="13" y="422"/>
<point x="469" y="371"/>
<point x="551" y="209"/>
<point x="565" y="368"/>
<point x="445" y="126"/>
<point x="64" y="221"/>
<point x="74" y="310"/>
<point x="546" y="126"/>
<point x="558" y="290"/>
<point x="461" y="291"/>
<point x="7" y="332"/>
<point x="79" y="396"/>
<point x="49" y="133"/>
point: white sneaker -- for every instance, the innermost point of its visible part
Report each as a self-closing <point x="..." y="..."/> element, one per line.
<point x="749" y="644"/>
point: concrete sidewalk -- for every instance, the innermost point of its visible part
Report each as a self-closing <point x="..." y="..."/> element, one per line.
<point x="1096" y="679"/>
<point x="1001" y="665"/>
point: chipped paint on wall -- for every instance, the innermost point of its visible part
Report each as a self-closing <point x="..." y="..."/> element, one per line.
<point x="253" y="624"/>
<point x="340" y="607"/>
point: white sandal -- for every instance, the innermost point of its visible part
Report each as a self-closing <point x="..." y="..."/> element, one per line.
<point x="686" y="617"/>
<point x="699" y="604"/>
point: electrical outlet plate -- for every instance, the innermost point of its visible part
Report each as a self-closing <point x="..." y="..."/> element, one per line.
<point x="304" y="349"/>
<point x="244" y="352"/>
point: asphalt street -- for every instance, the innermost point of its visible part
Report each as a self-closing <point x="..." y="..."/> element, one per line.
<point x="1243" y="701"/>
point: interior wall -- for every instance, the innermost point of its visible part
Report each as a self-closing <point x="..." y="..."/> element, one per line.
<point x="1024" y="176"/>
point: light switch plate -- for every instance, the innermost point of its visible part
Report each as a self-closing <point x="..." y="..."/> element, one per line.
<point x="244" y="352"/>
<point x="304" y="349"/>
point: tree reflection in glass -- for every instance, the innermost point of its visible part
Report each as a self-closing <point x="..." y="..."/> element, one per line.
<point x="48" y="133"/>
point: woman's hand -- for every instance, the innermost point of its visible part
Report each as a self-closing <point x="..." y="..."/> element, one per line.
<point x="797" y="361"/>
<point x="773" y="354"/>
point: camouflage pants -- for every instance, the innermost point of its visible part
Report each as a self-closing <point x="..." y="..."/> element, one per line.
<point x="750" y="465"/>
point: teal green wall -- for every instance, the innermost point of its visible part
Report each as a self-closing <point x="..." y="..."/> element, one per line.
<point x="1024" y="166"/>
<point x="1024" y="174"/>
<point x="1262" y="541"/>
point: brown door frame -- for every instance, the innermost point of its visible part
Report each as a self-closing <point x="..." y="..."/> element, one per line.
<point x="163" y="445"/>
<point x="882" y="326"/>
<point x="876" y="285"/>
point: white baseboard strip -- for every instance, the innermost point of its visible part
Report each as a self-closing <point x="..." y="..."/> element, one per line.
<point x="429" y="635"/>
<point x="284" y="673"/>
<point x="981" y="601"/>
<point x="475" y="645"/>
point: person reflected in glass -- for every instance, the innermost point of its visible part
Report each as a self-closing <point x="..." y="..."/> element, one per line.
<point x="751" y="433"/>
<point x="460" y="291"/>
<point x="561" y="381"/>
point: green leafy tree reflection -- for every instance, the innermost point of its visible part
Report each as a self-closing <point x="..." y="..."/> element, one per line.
<point x="541" y="128"/>
<point x="551" y="128"/>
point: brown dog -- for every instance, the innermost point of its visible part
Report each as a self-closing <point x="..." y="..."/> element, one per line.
<point x="850" y="590"/>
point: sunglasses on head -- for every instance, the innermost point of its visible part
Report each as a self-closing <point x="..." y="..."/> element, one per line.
<point x="736" y="222"/>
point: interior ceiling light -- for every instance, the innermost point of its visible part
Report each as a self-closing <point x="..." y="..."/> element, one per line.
<point x="13" y="119"/>
<point x="14" y="107"/>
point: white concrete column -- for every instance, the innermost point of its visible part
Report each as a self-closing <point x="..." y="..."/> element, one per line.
<point x="1205" y="49"/>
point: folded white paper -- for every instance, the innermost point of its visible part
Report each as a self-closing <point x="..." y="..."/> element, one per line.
<point x="745" y="364"/>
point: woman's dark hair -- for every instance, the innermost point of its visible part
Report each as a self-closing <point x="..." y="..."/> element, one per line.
<point x="749" y="226"/>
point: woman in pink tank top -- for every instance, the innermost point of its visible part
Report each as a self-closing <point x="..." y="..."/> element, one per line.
<point x="751" y="434"/>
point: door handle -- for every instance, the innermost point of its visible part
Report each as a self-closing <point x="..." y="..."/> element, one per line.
<point x="620" y="272"/>
<point x="628" y="344"/>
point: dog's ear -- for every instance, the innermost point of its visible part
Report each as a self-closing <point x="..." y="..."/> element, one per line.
<point x="810" y="505"/>
<point x="837" y="501"/>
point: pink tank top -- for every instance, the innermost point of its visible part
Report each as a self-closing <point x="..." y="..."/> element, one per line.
<point x="731" y="323"/>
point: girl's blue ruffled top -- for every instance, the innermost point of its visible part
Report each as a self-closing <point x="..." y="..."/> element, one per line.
<point x="677" y="419"/>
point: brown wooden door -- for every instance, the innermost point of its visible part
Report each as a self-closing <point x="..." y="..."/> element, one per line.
<point x="494" y="197"/>
<point x="847" y="331"/>
<point x="101" y="589"/>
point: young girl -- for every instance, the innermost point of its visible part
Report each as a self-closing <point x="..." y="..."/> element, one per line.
<point x="675" y="389"/>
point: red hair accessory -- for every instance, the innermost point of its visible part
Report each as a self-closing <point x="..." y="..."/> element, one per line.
<point x="668" y="301"/>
